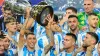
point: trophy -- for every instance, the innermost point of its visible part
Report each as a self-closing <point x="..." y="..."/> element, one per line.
<point x="17" y="7"/>
<point x="40" y="12"/>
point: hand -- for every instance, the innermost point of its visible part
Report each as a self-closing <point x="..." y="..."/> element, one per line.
<point x="65" y="18"/>
<point x="80" y="49"/>
<point x="19" y="25"/>
<point x="56" y="28"/>
<point x="7" y="36"/>
<point x="84" y="28"/>
<point x="28" y="9"/>
<point x="53" y="25"/>
<point x="90" y="48"/>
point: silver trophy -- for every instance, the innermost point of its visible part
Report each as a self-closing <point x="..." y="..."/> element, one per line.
<point x="39" y="12"/>
<point x="16" y="6"/>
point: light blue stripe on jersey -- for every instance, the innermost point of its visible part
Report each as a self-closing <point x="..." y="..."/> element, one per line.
<point x="98" y="33"/>
<point x="12" y="45"/>
<point x="38" y="30"/>
<point x="22" y="19"/>
<point x="94" y="53"/>
<point x="26" y="52"/>
<point x="42" y="41"/>
<point x="9" y="53"/>
<point x="56" y="48"/>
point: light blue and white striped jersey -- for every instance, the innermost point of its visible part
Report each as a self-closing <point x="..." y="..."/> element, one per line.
<point x="64" y="53"/>
<point x="94" y="53"/>
<point x="9" y="53"/>
<point x="38" y="29"/>
<point x="25" y="52"/>
<point x="83" y="34"/>
<point x="43" y="41"/>
<point x="12" y="45"/>
<point x="65" y="27"/>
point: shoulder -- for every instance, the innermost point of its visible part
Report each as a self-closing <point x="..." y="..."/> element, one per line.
<point x="80" y="13"/>
<point x="95" y="52"/>
<point x="61" y="53"/>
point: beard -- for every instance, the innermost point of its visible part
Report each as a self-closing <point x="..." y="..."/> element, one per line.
<point x="85" y="45"/>
<point x="73" y="29"/>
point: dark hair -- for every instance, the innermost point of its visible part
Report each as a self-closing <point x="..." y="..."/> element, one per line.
<point x="94" y="36"/>
<point x="71" y="16"/>
<point x="2" y="36"/>
<point x="92" y="0"/>
<point x="73" y="36"/>
<point x="29" y="33"/>
<point x="72" y="8"/>
<point x="94" y="14"/>
<point x="55" y="18"/>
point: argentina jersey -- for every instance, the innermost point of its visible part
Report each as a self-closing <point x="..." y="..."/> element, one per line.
<point x="38" y="29"/>
<point x="82" y="53"/>
<point x="64" y="53"/>
<point x="58" y="44"/>
<point x="25" y="52"/>
<point x="64" y="27"/>
<point x="12" y="45"/>
<point x="44" y="41"/>
<point x="9" y="53"/>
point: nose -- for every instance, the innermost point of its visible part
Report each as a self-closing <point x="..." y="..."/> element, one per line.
<point x="7" y="43"/>
<point x="84" y="39"/>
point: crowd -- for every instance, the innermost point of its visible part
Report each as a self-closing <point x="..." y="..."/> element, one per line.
<point x="76" y="34"/>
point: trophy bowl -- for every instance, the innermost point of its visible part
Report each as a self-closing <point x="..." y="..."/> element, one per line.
<point x="40" y="12"/>
<point x="17" y="7"/>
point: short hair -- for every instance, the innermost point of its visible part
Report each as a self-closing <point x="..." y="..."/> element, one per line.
<point x="72" y="8"/>
<point x="2" y="36"/>
<point x="92" y="0"/>
<point x="94" y="35"/>
<point x="9" y="20"/>
<point x="55" y="18"/>
<point x="94" y="14"/>
<point x="29" y="33"/>
<point x="72" y="16"/>
<point x="73" y="36"/>
<point x="7" y="8"/>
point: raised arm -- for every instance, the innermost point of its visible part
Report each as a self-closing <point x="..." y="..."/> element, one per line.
<point x="50" y="36"/>
<point x="21" y="41"/>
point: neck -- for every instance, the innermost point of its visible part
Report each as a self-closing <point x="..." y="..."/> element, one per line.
<point x="91" y="29"/>
<point x="10" y="33"/>
<point x="69" y="50"/>
<point x="74" y="31"/>
<point x="88" y="12"/>
<point x="30" y="49"/>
